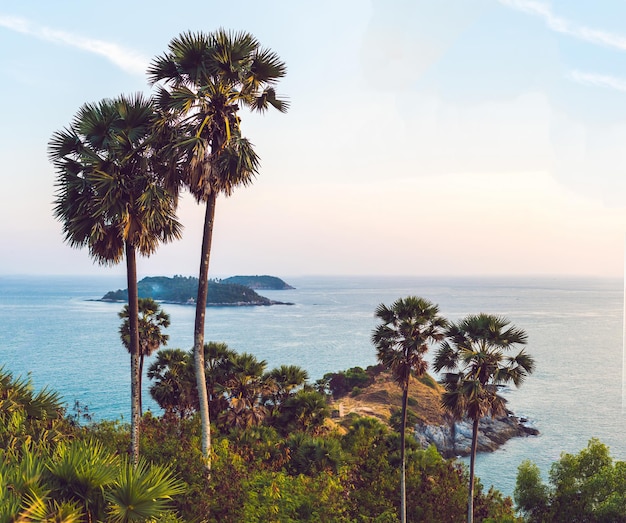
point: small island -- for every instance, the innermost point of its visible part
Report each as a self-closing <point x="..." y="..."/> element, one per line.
<point x="184" y="289"/>
<point x="266" y="283"/>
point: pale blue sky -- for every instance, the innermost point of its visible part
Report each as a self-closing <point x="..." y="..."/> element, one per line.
<point x="425" y="137"/>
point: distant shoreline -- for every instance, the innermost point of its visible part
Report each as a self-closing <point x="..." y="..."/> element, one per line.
<point x="235" y="304"/>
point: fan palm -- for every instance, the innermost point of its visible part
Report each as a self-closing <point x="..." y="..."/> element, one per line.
<point x="303" y="411"/>
<point x="39" y="416"/>
<point x="111" y="198"/>
<point x="174" y="387"/>
<point x="408" y="327"/>
<point x="151" y="320"/>
<point x="286" y="379"/>
<point x="244" y="387"/>
<point x="474" y="356"/>
<point x="207" y="78"/>
<point x="81" y="471"/>
<point x="141" y="493"/>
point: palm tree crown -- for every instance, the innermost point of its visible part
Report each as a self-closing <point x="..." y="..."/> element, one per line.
<point x="207" y="77"/>
<point x="474" y="357"/>
<point x="110" y="189"/>
<point x="408" y="327"/>
<point x="151" y="320"/>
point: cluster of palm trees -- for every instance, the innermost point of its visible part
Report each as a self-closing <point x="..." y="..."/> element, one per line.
<point x="242" y="392"/>
<point x="473" y="352"/>
<point x="122" y="162"/>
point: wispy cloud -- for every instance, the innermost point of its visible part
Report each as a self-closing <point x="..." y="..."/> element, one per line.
<point x="598" y="80"/>
<point x="565" y="26"/>
<point x="126" y="59"/>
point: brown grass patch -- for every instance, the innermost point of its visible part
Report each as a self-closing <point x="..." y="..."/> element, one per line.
<point x="384" y="395"/>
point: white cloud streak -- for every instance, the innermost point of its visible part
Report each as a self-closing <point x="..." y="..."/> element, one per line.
<point x="126" y="59"/>
<point x="568" y="27"/>
<point x="598" y="80"/>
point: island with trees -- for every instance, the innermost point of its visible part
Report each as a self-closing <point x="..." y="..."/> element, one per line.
<point x="265" y="282"/>
<point x="184" y="289"/>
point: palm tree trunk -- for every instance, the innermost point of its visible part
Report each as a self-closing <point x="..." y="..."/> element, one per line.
<point x="141" y="385"/>
<point x="405" y="399"/>
<point x="198" y="334"/>
<point x="133" y="317"/>
<point x="470" y="497"/>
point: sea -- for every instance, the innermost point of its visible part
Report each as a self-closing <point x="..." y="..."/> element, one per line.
<point x="56" y="332"/>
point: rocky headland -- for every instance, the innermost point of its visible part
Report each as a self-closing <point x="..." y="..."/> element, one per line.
<point x="455" y="438"/>
<point x="432" y="425"/>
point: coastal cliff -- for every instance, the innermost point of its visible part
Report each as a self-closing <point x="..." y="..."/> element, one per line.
<point x="455" y="438"/>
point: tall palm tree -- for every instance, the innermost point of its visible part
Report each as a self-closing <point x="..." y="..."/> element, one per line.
<point x="474" y="356"/>
<point x="151" y="320"/>
<point x="111" y="198"/>
<point x="408" y="327"/>
<point x="207" y="78"/>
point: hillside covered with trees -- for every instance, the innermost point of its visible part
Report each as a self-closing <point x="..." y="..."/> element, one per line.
<point x="277" y="456"/>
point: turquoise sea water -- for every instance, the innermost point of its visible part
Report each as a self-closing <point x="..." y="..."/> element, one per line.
<point x="52" y="330"/>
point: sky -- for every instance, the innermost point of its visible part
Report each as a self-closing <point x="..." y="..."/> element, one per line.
<point x="424" y="137"/>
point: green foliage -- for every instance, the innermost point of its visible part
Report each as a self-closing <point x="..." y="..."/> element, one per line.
<point x="395" y="420"/>
<point x="311" y="455"/>
<point x="82" y="481"/>
<point x="141" y="492"/>
<point x="28" y="417"/>
<point x="531" y="495"/>
<point x="53" y="470"/>
<point x="343" y="382"/>
<point x="279" y="497"/>
<point x="304" y="411"/>
<point x="174" y="387"/>
<point x="291" y="472"/>
<point x="429" y="381"/>
<point x="585" y="487"/>
<point x="81" y="470"/>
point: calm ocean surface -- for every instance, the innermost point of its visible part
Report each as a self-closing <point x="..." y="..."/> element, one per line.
<point x="51" y="330"/>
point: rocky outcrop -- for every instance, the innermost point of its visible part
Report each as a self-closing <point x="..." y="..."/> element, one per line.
<point x="455" y="438"/>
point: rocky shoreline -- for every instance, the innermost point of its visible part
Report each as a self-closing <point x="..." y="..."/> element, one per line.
<point x="455" y="438"/>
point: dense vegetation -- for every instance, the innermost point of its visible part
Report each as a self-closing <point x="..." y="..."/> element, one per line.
<point x="586" y="487"/>
<point x="181" y="289"/>
<point x="289" y="463"/>
<point x="259" y="282"/>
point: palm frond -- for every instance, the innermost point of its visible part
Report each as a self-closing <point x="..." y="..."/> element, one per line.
<point x="141" y="493"/>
